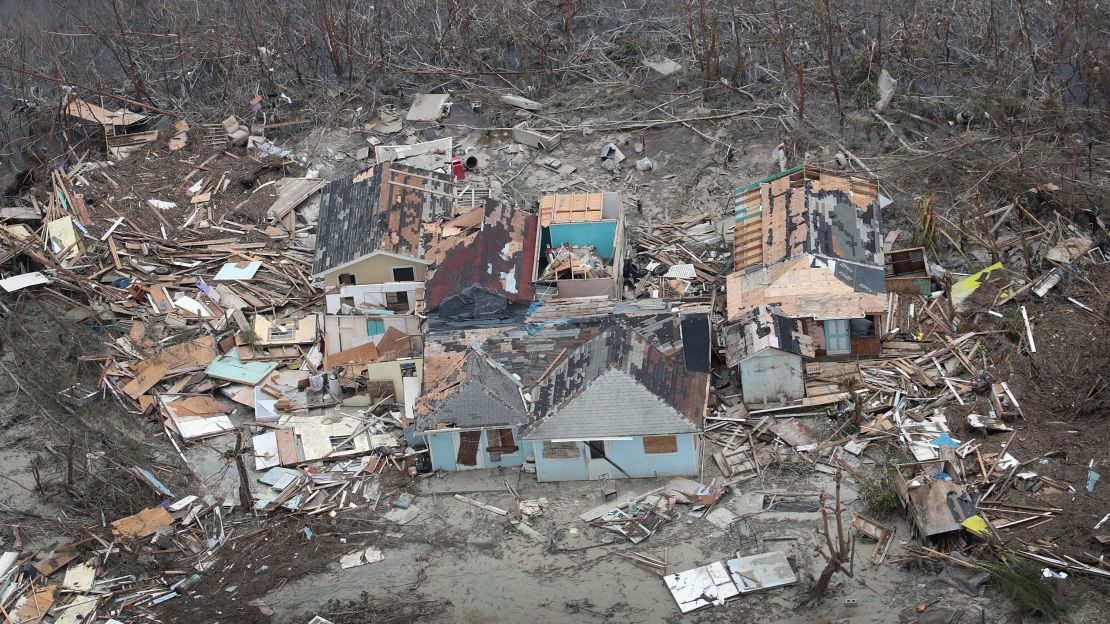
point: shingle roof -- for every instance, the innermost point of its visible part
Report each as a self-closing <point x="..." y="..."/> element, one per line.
<point x="765" y="327"/>
<point x="479" y="393"/>
<point x="613" y="404"/>
<point x="381" y="209"/>
<point x="651" y="361"/>
<point x="558" y="360"/>
<point x="522" y="350"/>
<point x="498" y="254"/>
<point x="808" y="210"/>
<point x="810" y="241"/>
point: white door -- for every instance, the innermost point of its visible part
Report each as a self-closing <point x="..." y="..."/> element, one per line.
<point x="597" y="464"/>
<point x="837" y="339"/>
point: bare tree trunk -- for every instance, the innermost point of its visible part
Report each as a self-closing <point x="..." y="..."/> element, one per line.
<point x="839" y="552"/>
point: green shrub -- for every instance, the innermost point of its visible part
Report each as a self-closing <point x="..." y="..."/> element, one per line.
<point x="881" y="499"/>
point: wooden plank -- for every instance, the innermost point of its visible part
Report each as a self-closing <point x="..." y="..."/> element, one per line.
<point x="481" y="505"/>
<point x="825" y="400"/>
<point x="114" y="252"/>
<point x="197" y="353"/>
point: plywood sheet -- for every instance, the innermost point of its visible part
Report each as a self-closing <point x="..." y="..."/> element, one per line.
<point x="142" y="524"/>
<point x="578" y="208"/>
<point x="189" y="355"/>
<point x="32" y="606"/>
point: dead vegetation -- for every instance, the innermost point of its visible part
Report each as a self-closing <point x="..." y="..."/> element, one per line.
<point x="992" y="140"/>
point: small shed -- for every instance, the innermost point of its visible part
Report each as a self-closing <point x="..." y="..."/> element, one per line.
<point x="767" y="346"/>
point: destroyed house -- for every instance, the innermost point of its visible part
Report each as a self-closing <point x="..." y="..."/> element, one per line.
<point x="124" y="130"/>
<point x="371" y="227"/>
<point x="382" y="353"/>
<point x="767" y="347"/>
<point x="810" y="242"/>
<point x="582" y="245"/>
<point x="376" y="299"/>
<point x="451" y="366"/>
<point x="472" y="418"/>
<point x="610" y="396"/>
<point x="483" y="260"/>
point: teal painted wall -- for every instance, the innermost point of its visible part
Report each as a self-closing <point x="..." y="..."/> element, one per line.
<point x="600" y="234"/>
<point x="628" y="454"/>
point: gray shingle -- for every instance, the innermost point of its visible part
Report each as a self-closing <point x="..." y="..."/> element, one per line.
<point x="485" y="396"/>
<point x="613" y="405"/>
<point x="382" y="209"/>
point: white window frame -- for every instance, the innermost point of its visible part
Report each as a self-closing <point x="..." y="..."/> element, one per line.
<point x="393" y="275"/>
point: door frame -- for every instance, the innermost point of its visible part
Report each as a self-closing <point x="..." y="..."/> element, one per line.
<point x="599" y="468"/>
<point x="456" y="443"/>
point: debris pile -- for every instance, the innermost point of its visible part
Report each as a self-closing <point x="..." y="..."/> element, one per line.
<point x="685" y="258"/>
<point x="569" y="262"/>
<point x="281" y="326"/>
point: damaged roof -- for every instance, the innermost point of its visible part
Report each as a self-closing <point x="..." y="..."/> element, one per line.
<point x="491" y="247"/>
<point x="526" y="351"/>
<point x="808" y="287"/>
<point x="612" y="404"/>
<point x="588" y="392"/>
<point x="811" y="242"/>
<point x="765" y="327"/>
<point x="380" y="210"/>
<point x="477" y="393"/>
<point x="665" y="354"/>
<point x="808" y="210"/>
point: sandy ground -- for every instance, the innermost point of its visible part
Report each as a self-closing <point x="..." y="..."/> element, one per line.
<point x="490" y="573"/>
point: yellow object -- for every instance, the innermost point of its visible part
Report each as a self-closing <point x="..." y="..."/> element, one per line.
<point x="63" y="238"/>
<point x="962" y="289"/>
<point x="975" y="524"/>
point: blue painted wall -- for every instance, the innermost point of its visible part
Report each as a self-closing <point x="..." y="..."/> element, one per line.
<point x="573" y="469"/>
<point x="600" y="234"/>
<point x="628" y="454"/>
<point x="442" y="445"/>
<point x="511" y="459"/>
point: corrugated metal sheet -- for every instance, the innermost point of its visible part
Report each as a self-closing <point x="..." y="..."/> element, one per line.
<point x="681" y="271"/>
